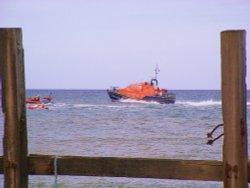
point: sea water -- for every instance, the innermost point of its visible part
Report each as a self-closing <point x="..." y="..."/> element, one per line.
<point x="87" y="123"/>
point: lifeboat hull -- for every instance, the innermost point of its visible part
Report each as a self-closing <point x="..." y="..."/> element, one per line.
<point x="168" y="99"/>
<point x="114" y="96"/>
<point x="160" y="99"/>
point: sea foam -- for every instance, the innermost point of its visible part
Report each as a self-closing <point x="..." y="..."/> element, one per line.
<point x="200" y="103"/>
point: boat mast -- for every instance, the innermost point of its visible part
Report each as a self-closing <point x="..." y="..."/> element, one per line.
<point x="157" y="70"/>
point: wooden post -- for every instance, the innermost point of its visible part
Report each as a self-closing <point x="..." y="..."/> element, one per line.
<point x="1" y="76"/>
<point x="14" y="110"/>
<point x="235" y="155"/>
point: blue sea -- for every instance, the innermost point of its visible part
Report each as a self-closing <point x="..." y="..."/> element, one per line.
<point x="87" y="123"/>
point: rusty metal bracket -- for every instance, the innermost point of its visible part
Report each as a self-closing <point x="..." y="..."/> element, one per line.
<point x="210" y="135"/>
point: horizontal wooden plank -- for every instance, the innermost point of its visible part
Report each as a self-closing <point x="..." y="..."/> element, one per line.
<point x="125" y="167"/>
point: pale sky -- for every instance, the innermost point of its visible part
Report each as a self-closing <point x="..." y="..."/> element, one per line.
<point x="95" y="44"/>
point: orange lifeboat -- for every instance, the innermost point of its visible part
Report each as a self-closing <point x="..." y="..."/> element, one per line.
<point x="143" y="91"/>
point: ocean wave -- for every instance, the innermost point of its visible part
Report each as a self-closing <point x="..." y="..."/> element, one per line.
<point x="138" y="101"/>
<point x="130" y="103"/>
<point x="86" y="105"/>
<point x="200" y="103"/>
<point x="204" y="103"/>
<point x="83" y="105"/>
<point x="97" y="106"/>
<point x="58" y="104"/>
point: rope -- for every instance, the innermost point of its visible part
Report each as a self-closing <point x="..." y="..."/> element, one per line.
<point x="55" y="172"/>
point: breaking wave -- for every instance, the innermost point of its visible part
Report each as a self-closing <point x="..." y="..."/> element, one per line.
<point x="203" y="103"/>
<point x="200" y="103"/>
<point x="130" y="103"/>
<point x="138" y="101"/>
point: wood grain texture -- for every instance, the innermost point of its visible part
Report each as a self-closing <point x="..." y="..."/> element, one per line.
<point x="126" y="167"/>
<point x="14" y="110"/>
<point x="233" y="67"/>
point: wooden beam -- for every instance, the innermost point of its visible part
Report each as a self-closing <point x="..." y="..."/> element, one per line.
<point x="126" y="167"/>
<point x="14" y="110"/>
<point x="1" y="77"/>
<point x="103" y="166"/>
<point x="233" y="63"/>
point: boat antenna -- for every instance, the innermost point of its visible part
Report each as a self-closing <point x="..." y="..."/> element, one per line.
<point x="157" y="70"/>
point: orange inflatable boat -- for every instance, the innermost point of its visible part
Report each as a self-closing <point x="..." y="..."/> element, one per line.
<point x="37" y="99"/>
<point x="39" y="106"/>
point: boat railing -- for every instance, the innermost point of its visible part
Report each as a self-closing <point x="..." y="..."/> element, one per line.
<point x="114" y="89"/>
<point x="172" y="95"/>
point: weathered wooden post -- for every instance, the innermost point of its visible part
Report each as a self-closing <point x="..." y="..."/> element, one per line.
<point x="14" y="110"/>
<point x="235" y="155"/>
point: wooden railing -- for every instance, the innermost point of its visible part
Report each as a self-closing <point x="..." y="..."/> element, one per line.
<point x="125" y="167"/>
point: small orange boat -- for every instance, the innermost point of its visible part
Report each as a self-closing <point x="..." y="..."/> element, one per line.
<point x="39" y="106"/>
<point x="37" y="99"/>
<point x="146" y="91"/>
<point x="33" y="100"/>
